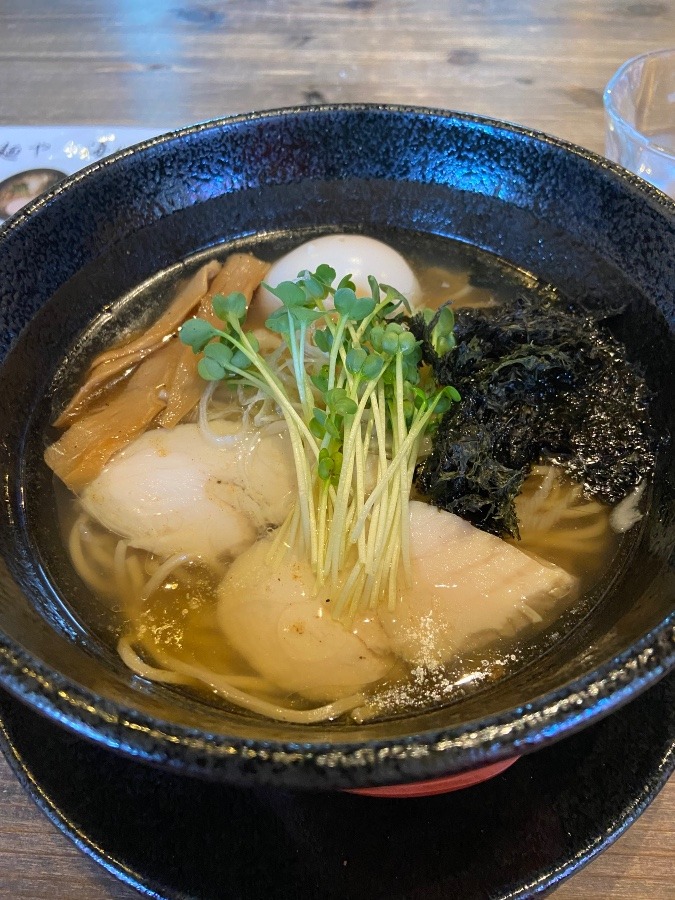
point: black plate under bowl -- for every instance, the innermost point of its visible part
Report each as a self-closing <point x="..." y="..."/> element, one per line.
<point x="516" y="836"/>
<point x="599" y="235"/>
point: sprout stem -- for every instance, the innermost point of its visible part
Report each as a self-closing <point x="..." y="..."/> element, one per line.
<point x="369" y="388"/>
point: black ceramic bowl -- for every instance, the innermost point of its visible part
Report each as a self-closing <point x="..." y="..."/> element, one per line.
<point x="571" y="218"/>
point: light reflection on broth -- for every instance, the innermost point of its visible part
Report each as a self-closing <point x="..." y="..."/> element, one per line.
<point x="173" y="634"/>
<point x="440" y="284"/>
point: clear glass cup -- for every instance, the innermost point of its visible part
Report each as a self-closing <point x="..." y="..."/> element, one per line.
<point x="640" y="118"/>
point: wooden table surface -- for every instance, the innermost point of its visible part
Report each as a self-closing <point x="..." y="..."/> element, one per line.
<point x="147" y="62"/>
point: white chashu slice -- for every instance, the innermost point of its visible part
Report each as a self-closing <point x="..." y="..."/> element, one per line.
<point x="273" y="619"/>
<point x="174" y="491"/>
<point x="466" y="587"/>
<point x="349" y="254"/>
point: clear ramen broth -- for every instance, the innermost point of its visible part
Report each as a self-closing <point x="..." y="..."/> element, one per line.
<point x="160" y="611"/>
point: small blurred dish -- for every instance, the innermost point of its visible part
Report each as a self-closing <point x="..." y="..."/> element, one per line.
<point x="19" y="189"/>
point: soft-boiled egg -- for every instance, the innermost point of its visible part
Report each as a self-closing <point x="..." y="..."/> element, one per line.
<point x="349" y="254"/>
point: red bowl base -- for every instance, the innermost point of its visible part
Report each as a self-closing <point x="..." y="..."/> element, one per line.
<point x="438" y="785"/>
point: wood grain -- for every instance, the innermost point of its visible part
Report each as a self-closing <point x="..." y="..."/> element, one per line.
<point x="541" y="64"/>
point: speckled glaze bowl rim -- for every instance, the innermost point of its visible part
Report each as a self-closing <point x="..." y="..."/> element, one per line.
<point x="344" y="764"/>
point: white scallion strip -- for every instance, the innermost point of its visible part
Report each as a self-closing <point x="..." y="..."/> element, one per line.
<point x="220" y="440"/>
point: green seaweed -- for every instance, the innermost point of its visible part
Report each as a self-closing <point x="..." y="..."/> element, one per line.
<point x="538" y="378"/>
